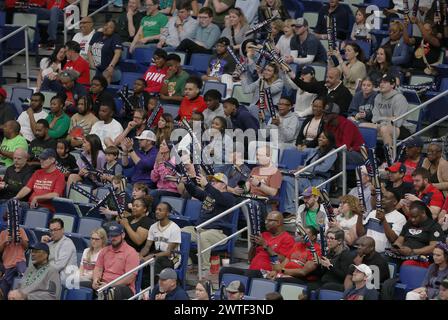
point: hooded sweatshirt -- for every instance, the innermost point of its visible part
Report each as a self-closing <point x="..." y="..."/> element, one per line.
<point x="392" y="104"/>
<point x="287" y="130"/>
<point x="360" y="103"/>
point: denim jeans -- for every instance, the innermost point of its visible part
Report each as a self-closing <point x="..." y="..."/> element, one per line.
<point x="54" y="15"/>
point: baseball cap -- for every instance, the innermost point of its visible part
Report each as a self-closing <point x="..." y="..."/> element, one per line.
<point x="397" y="167"/>
<point x="364" y="269"/>
<point x="300" y="22"/>
<point x="41" y="246"/>
<point x="311" y="191"/>
<point x="3" y="93"/>
<point x="168" y="273"/>
<point x="47" y="153"/>
<point x="414" y="142"/>
<point x="147" y="135"/>
<point x="389" y="78"/>
<point x="114" y="229"/>
<point x="236" y="286"/>
<point x="221" y="177"/>
<point x="308" y="70"/>
<point x="69" y="73"/>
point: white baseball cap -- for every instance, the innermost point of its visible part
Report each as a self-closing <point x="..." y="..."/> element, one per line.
<point x="147" y="135"/>
<point x="364" y="269"/>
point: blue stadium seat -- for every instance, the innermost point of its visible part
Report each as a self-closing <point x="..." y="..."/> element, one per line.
<point x="36" y="219"/>
<point x="70" y="221"/>
<point x="250" y="298"/>
<point x="295" y="8"/>
<point x="260" y="287"/>
<point x="78" y="240"/>
<point x="199" y="61"/>
<point x="177" y="203"/>
<point x="366" y="47"/>
<point x="128" y="78"/>
<point x="330" y="295"/>
<point x="312" y="6"/>
<point x="86" y="225"/>
<point x="78" y="294"/>
<point x="68" y="206"/>
<point x="184" y="251"/>
<point x="291" y="291"/>
<point x="172" y="109"/>
<point x="443" y="85"/>
<point x="291" y="158"/>
<point x="410" y="277"/>
<point x="192" y="210"/>
<point x="144" y="55"/>
<point x="370" y="136"/>
<point x="101" y="192"/>
<point x="437" y="109"/>
<point x="18" y="94"/>
<point x="221" y="87"/>
<point x="32" y="239"/>
<point x="78" y="197"/>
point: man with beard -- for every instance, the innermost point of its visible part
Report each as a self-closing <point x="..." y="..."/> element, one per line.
<point x="16" y="175"/>
<point x="107" y="129"/>
<point x="81" y="122"/>
<point x="133" y="129"/>
<point x="114" y="261"/>
<point x="41" y="280"/>
<point x="41" y="142"/>
<point x="29" y="118"/>
<point x="311" y="213"/>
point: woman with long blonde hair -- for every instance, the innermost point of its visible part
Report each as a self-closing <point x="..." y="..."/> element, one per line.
<point x="98" y="240"/>
<point x="236" y="28"/>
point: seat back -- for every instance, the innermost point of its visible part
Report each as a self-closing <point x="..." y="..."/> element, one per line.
<point x="78" y="240"/>
<point x="330" y="295"/>
<point x="32" y="239"/>
<point x="184" y="252"/>
<point x="172" y="109"/>
<point x="292" y="291"/>
<point x="199" y="61"/>
<point x="370" y="136"/>
<point x="63" y="205"/>
<point x="18" y="94"/>
<point x="78" y="294"/>
<point x="366" y="47"/>
<point x="412" y="276"/>
<point x="192" y="210"/>
<point x="214" y="85"/>
<point x="30" y="19"/>
<point x="238" y="94"/>
<point x="144" y="55"/>
<point x="320" y="70"/>
<point x="70" y="222"/>
<point x="291" y="158"/>
<point x="102" y="192"/>
<point x="48" y="95"/>
<point x="419" y="79"/>
<point x="260" y="287"/>
<point x="36" y="219"/>
<point x="128" y="78"/>
<point x="311" y="17"/>
<point x="86" y="225"/>
<point x="177" y="203"/>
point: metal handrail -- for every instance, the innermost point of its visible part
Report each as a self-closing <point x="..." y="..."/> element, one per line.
<point x="205" y="223"/>
<point x="342" y="149"/>
<point x="423" y="130"/>
<point x="394" y="121"/>
<point x="127" y="274"/>
<point x="27" y="66"/>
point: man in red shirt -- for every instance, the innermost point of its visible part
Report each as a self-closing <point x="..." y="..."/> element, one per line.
<point x="45" y="183"/>
<point x="345" y="132"/>
<point x="156" y="73"/>
<point x="426" y="192"/>
<point x="192" y="100"/>
<point x="77" y="63"/>
<point x="114" y="261"/>
<point x="270" y="248"/>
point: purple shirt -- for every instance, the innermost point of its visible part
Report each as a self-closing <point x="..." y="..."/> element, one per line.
<point x="144" y="167"/>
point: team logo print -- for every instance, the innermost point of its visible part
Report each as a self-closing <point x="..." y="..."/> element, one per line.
<point x="415" y="232"/>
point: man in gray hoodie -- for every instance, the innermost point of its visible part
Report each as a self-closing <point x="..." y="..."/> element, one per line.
<point x="388" y="105"/>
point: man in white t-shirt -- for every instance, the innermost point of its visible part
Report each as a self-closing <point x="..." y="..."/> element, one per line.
<point x="85" y="35"/>
<point x="107" y="129"/>
<point x="29" y="118"/>
<point x="166" y="237"/>
<point x="383" y="226"/>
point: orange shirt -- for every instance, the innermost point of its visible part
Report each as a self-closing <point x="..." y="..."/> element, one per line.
<point x="13" y="252"/>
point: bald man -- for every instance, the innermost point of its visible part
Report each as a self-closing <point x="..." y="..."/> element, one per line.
<point x="16" y="176"/>
<point x="270" y="247"/>
<point x="84" y="36"/>
<point x="10" y="143"/>
<point x="366" y="254"/>
<point x="332" y="88"/>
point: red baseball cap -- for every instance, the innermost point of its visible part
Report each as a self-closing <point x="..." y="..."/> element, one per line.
<point x="3" y="93"/>
<point x="397" y="167"/>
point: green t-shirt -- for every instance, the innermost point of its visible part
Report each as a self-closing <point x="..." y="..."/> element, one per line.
<point x="10" y="145"/>
<point x="218" y="18"/>
<point x="176" y="84"/>
<point x="61" y="127"/>
<point x="152" y="24"/>
<point x="310" y="218"/>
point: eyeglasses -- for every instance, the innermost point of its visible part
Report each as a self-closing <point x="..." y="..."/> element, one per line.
<point x="55" y="230"/>
<point x="92" y="238"/>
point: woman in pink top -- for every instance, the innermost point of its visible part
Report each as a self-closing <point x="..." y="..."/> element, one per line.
<point x="161" y="176"/>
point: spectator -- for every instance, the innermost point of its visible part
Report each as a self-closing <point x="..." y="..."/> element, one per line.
<point x="154" y="108"/>
<point x="194" y="5"/>
<point x="167" y="288"/>
<point x="340" y="13"/>
<point x="401" y="53"/>
<point x="13" y="257"/>
<point x="166" y="7"/>
<point x="58" y="120"/>
<point x="359" y="291"/>
<point x="16" y="176"/>
<point x="7" y="110"/>
<point x="437" y="167"/>
<point x="381" y="64"/>
<point x="207" y="34"/>
<point x="203" y="290"/>
<point x="71" y="89"/>
<point x="274" y="296"/>
<point x="150" y="26"/>
<point x="215" y="199"/>
<point x="84" y="36"/>
<point x="214" y="109"/>
<point x="62" y="250"/>
<point x="81" y="122"/>
<point x="41" y="280"/>
<point x="305" y="46"/>
<point x="347" y="213"/>
<point x="240" y="117"/>
<point x="275" y="241"/>
<point x="165" y="126"/>
<point x="29" y="118"/>
<point x="396" y="174"/>
<point x="192" y="100"/>
<point x="413" y="156"/>
<point x="165" y="235"/>
<point x="99" y="95"/>
<point x="337" y="261"/>
<point x="235" y="290"/>
<point x="107" y="129"/>
<point x="366" y="190"/>
<point x="156" y="73"/>
<point x="276" y="30"/>
<point x="12" y="141"/>
<point x="98" y="240"/>
<point x="353" y="69"/>
<point x="311" y="213"/>
<point x="64" y="159"/>
<point x="220" y="10"/>
<point x="362" y="104"/>
<point x="105" y="51"/>
<point x="137" y="225"/>
<point x="139" y="100"/>
<point x="237" y="28"/>
<point x="419" y="235"/>
<point x="113" y="261"/>
<point x="443" y="290"/>
<point x="383" y="225"/>
<point x="312" y="126"/>
<point x="179" y="27"/>
<point x="437" y="271"/>
<point x="41" y="142"/>
<point x="128" y="22"/>
<point x="361" y="30"/>
<point x="134" y="127"/>
<point x="50" y="67"/>
<point x="332" y="88"/>
<point x="284" y="43"/>
<point x="111" y="168"/>
<point x="174" y="83"/>
<point x="143" y="159"/>
<point x="304" y="99"/>
<point x="250" y="9"/>
<point x="77" y="63"/>
<point x="270" y="8"/>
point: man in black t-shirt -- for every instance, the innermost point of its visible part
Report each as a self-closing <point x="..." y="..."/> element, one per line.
<point x="396" y="173"/>
<point x="220" y="63"/>
<point x="16" y="176"/>
<point x="41" y="142"/>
